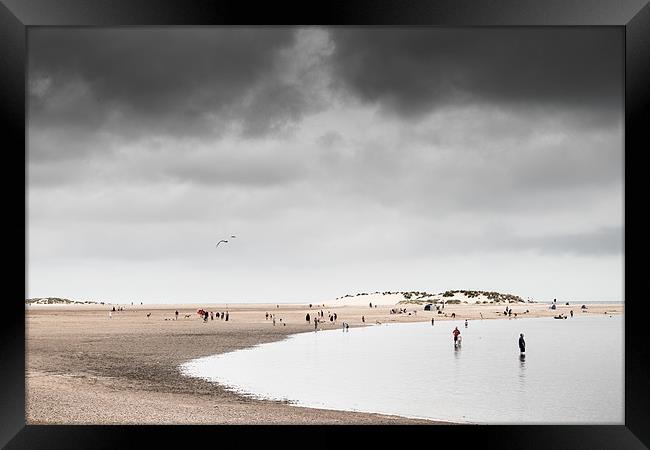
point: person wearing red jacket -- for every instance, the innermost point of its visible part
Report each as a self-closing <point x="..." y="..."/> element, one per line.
<point x="456" y="332"/>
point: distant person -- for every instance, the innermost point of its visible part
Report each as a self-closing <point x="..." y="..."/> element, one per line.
<point x="211" y="315"/>
<point x="363" y="319"/>
<point x="310" y="305"/>
<point x="335" y="316"/>
<point x="267" y="316"/>
<point x="274" y="321"/>
<point x="465" y="323"/>
<point x="571" y="312"/>
<point x="113" y="308"/>
<point x="370" y="304"/>
<point x="522" y="343"/>
<point x="277" y="306"/>
<point x="481" y="315"/>
<point x="176" y="313"/>
<point x="223" y="315"/>
<point x="347" y="327"/>
<point x="227" y="316"/>
<point x="218" y="314"/>
<point x="307" y="318"/>
<point x="315" y="324"/>
<point x="331" y="318"/>
<point x="456" y="333"/>
<point x="432" y="321"/>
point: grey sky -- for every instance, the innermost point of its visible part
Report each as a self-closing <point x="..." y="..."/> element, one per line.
<point x="345" y="160"/>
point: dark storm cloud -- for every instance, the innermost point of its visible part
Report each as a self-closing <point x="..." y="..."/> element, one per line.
<point x="321" y="147"/>
<point x="413" y="71"/>
<point x="178" y="81"/>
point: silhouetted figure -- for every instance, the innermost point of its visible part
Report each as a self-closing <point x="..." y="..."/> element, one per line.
<point x="227" y="316"/>
<point x="363" y="319"/>
<point x="522" y="343"/>
<point x="571" y="312"/>
<point x="307" y="318"/>
<point x="176" y="314"/>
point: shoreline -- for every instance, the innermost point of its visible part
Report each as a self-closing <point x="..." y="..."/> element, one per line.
<point x="83" y="367"/>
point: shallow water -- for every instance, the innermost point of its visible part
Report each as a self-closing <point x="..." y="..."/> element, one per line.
<point x="572" y="371"/>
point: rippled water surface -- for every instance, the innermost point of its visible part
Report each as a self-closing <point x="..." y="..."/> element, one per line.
<point x="572" y="371"/>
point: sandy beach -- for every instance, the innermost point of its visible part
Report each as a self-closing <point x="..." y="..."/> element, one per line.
<point x="86" y="368"/>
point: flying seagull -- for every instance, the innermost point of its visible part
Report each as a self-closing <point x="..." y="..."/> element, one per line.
<point x="222" y="240"/>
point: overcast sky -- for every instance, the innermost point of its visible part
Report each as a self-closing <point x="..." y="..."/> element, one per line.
<point x="344" y="160"/>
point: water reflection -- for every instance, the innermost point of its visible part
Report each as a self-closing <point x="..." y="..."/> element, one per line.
<point x="399" y="360"/>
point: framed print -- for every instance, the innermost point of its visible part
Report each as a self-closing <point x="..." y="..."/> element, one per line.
<point x="238" y="216"/>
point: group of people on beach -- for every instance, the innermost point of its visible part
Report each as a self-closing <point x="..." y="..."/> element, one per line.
<point x="401" y="311"/>
<point x="211" y="314"/>
<point x="273" y="319"/>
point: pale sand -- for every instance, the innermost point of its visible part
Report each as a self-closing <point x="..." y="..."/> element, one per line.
<point x="83" y="367"/>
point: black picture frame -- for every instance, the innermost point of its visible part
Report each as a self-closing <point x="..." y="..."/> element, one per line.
<point x="16" y="16"/>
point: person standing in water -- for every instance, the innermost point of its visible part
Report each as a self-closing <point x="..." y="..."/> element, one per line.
<point x="456" y="333"/>
<point x="432" y="321"/>
<point x="522" y="343"/>
<point x="465" y="323"/>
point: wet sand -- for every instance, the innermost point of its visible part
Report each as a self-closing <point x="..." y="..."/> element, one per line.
<point x="86" y="368"/>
